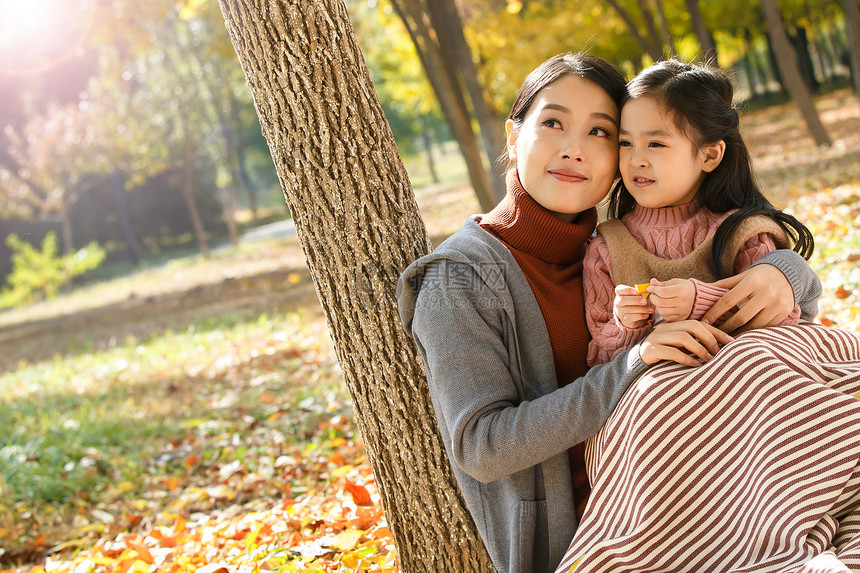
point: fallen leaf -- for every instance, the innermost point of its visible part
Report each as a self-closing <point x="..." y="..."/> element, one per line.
<point x="359" y="493"/>
<point x="346" y="540"/>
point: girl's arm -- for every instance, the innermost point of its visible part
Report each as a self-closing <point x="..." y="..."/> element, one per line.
<point x="608" y="335"/>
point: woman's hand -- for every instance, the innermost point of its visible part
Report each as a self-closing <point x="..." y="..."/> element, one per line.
<point x="762" y="294"/>
<point x="630" y="307"/>
<point x="673" y="299"/>
<point x="688" y="342"/>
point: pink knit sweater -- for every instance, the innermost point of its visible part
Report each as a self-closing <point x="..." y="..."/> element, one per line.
<point x="671" y="233"/>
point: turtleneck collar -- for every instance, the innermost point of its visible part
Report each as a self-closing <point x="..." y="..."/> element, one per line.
<point x="664" y="217"/>
<point x="525" y="225"/>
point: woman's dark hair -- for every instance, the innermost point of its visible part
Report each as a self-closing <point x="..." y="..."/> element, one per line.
<point x="698" y="99"/>
<point x="585" y="66"/>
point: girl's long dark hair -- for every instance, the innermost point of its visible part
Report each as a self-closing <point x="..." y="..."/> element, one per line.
<point x="698" y="98"/>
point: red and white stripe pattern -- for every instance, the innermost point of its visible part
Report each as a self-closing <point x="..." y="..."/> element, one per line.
<point x="750" y="463"/>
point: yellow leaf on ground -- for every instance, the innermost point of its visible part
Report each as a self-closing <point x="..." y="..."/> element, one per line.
<point x="346" y="540"/>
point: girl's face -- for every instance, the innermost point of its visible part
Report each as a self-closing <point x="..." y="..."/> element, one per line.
<point x="566" y="149"/>
<point x="660" y="166"/>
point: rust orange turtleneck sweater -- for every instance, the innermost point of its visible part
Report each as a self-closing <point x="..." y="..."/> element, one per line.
<point x="550" y="252"/>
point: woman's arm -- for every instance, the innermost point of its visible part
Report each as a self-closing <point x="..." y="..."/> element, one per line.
<point x="770" y="288"/>
<point x="463" y="337"/>
<point x="753" y="251"/>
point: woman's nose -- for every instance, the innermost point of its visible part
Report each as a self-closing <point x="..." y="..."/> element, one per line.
<point x="573" y="151"/>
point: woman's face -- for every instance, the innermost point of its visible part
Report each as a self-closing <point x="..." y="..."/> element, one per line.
<point x="566" y="149"/>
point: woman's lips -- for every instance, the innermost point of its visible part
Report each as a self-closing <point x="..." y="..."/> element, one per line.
<point x="567" y="175"/>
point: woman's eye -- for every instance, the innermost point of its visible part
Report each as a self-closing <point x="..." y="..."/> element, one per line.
<point x="553" y="123"/>
<point x="624" y="143"/>
<point x="599" y="131"/>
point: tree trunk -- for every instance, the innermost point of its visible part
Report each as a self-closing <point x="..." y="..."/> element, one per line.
<point x="449" y="27"/>
<point x="66" y="226"/>
<point x="252" y="203"/>
<point x="667" y="32"/>
<point x="188" y="195"/>
<point x="359" y="227"/>
<point x="651" y="26"/>
<point x="800" y="41"/>
<point x="648" y="45"/>
<point x="428" y="151"/>
<point x="227" y="198"/>
<point x="755" y="75"/>
<point x="852" y="27"/>
<point x="442" y="75"/>
<point x="124" y="220"/>
<point x="790" y="74"/>
<point x="706" y="42"/>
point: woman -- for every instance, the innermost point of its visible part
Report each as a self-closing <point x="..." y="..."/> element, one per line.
<point x="497" y="315"/>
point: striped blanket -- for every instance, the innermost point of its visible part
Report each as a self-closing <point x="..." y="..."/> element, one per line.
<point x="749" y="463"/>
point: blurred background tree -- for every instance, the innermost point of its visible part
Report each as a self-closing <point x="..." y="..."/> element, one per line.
<point x="128" y="122"/>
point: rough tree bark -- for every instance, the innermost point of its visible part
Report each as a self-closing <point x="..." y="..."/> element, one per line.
<point x="790" y="74"/>
<point x="359" y="226"/>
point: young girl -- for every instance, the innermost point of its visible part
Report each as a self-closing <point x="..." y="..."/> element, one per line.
<point x="689" y="211"/>
<point x="490" y="312"/>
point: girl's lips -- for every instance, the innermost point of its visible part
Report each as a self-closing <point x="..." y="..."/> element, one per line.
<point x="642" y="181"/>
<point x="567" y="175"/>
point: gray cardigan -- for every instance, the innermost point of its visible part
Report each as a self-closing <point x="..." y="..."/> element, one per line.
<point x="504" y="420"/>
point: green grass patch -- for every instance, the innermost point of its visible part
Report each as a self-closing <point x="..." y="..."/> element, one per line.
<point x="147" y="420"/>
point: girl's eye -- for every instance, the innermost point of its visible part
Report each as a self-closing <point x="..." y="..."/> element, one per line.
<point x="624" y="143"/>
<point x="656" y="144"/>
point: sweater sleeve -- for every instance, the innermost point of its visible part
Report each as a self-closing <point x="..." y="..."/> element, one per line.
<point x="464" y="339"/>
<point x="753" y="251"/>
<point x="608" y="335"/>
<point x="804" y="281"/>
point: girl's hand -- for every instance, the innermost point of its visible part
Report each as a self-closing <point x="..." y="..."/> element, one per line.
<point x="673" y="299"/>
<point x="763" y="295"/>
<point x="630" y="307"/>
<point x="688" y="342"/>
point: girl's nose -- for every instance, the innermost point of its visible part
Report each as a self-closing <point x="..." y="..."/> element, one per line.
<point x="638" y="159"/>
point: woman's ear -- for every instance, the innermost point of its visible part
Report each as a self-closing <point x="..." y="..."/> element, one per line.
<point x="712" y="155"/>
<point x="512" y="139"/>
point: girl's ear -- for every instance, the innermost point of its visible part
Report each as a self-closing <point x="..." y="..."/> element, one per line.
<point x="512" y="139"/>
<point x="711" y="155"/>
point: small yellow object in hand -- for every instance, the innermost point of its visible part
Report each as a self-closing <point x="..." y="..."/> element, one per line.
<point x="641" y="289"/>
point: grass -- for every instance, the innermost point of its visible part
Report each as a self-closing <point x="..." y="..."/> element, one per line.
<point x="183" y="372"/>
<point x="100" y="423"/>
<point x="82" y="430"/>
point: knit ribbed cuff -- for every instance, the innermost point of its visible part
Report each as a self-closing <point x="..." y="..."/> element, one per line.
<point x="706" y="295"/>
